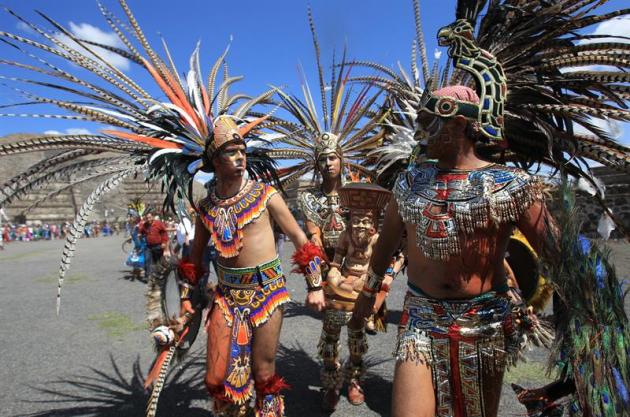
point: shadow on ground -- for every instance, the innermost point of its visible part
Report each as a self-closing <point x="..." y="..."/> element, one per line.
<point x="302" y="373"/>
<point x="128" y="275"/>
<point x="109" y="393"/>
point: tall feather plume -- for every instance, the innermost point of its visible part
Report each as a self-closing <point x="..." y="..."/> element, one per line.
<point x="420" y="39"/>
<point x="354" y="119"/>
<point x="76" y="228"/>
<point x="320" y="71"/>
<point x="167" y="136"/>
<point x="549" y="98"/>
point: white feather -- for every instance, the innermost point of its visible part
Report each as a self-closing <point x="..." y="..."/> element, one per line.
<point x="163" y="152"/>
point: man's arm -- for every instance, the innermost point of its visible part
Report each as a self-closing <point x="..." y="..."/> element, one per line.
<point x="200" y="241"/>
<point x="314" y="232"/>
<point x="389" y="239"/>
<point x="281" y="214"/>
<point x="540" y="229"/>
<point x="190" y="271"/>
<point x="283" y="218"/>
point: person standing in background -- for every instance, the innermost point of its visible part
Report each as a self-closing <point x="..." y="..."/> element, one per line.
<point x="154" y="231"/>
<point x="185" y="233"/>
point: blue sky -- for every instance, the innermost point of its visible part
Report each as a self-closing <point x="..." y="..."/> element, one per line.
<point x="270" y="37"/>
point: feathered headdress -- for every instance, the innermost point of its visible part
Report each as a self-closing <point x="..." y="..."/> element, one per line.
<point x="170" y="139"/>
<point x="349" y="126"/>
<point x="542" y="81"/>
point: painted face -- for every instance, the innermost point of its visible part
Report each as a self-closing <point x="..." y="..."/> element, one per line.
<point x="329" y="165"/>
<point x="231" y="161"/>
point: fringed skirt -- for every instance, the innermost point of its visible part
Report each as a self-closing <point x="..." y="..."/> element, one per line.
<point x="248" y="297"/>
<point x="460" y="340"/>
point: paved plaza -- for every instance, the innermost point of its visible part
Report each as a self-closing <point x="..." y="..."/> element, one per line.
<point x="92" y="359"/>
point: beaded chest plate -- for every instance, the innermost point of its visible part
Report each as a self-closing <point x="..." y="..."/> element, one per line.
<point x="326" y="212"/>
<point x="226" y="218"/>
<point x="444" y="205"/>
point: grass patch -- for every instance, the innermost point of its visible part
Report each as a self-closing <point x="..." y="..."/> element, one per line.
<point x="23" y="255"/>
<point x="115" y="324"/>
<point x="526" y="372"/>
<point x="69" y="279"/>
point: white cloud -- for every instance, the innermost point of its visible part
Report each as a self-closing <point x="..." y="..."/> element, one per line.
<point x="92" y="33"/>
<point x="619" y="26"/>
<point x="24" y="27"/>
<point x="69" y="131"/>
<point x="614" y="128"/>
<point x="615" y="27"/>
<point x="78" y="131"/>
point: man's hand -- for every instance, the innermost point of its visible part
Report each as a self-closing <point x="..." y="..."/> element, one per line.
<point x="387" y="281"/>
<point x="185" y="314"/>
<point x="363" y="308"/>
<point x="315" y="300"/>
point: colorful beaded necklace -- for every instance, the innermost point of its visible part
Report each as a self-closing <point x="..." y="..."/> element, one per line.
<point x="226" y="218"/>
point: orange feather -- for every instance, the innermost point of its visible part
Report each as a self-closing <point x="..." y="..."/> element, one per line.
<point x="251" y="125"/>
<point x="155" y="371"/>
<point x="161" y="83"/>
<point x="155" y="142"/>
<point x="185" y="104"/>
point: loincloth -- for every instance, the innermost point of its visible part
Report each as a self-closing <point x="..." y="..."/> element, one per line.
<point x="460" y="340"/>
<point x="247" y="297"/>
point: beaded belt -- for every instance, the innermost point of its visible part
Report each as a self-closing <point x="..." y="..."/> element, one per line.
<point x="253" y="277"/>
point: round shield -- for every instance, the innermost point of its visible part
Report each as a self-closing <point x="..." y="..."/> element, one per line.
<point x="171" y="305"/>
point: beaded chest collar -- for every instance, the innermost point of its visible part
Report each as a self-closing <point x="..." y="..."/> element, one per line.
<point x="326" y="212"/>
<point x="445" y="205"/>
<point x="226" y="218"/>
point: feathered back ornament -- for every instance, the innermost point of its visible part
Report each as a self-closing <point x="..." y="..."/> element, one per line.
<point x="562" y="83"/>
<point x="170" y="138"/>
<point x="136" y="207"/>
<point x="561" y="79"/>
<point x="349" y="125"/>
<point x="592" y="333"/>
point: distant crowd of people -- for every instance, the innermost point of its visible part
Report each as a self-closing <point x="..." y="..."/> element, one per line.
<point x="14" y="232"/>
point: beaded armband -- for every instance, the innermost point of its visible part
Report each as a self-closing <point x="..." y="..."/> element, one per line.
<point x="308" y="261"/>
<point x="373" y="284"/>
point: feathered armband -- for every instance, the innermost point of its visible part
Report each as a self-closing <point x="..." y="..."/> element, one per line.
<point x="308" y="261"/>
<point x="190" y="275"/>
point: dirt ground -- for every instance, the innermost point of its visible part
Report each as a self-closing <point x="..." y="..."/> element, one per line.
<point x="92" y="359"/>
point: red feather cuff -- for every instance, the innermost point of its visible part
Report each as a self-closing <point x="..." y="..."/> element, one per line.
<point x="189" y="272"/>
<point x="307" y="261"/>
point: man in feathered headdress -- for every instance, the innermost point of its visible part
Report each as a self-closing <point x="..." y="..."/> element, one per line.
<point x="461" y="325"/>
<point x="332" y="148"/>
<point x="186" y="128"/>
<point x="244" y="324"/>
